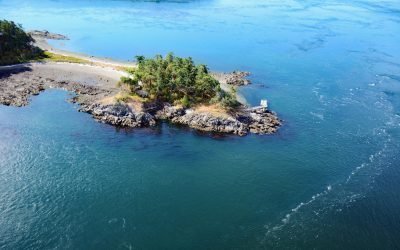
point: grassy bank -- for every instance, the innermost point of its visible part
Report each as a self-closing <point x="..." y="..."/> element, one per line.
<point x="47" y="56"/>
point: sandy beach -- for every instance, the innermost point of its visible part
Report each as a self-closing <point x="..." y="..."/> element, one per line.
<point x="99" y="61"/>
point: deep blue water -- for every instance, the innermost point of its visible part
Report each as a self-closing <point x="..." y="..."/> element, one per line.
<point x="328" y="179"/>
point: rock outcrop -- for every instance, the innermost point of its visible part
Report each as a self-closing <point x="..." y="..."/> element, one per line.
<point x="44" y="34"/>
<point x="119" y="115"/>
<point x="236" y="78"/>
<point x="202" y="121"/>
<point x="257" y="121"/>
<point x="263" y="121"/>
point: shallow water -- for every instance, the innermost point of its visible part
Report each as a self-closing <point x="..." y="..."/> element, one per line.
<point x="328" y="179"/>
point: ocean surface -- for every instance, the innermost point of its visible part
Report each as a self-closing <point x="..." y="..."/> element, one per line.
<point x="328" y="180"/>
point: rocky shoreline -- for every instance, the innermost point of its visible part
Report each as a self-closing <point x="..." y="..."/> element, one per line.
<point x="119" y="115"/>
<point x="256" y="121"/>
<point x="243" y="121"/>
<point x="18" y="85"/>
<point x="44" y="34"/>
<point x="235" y="78"/>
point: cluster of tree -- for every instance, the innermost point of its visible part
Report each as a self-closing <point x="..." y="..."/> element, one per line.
<point x="176" y="80"/>
<point x="16" y="45"/>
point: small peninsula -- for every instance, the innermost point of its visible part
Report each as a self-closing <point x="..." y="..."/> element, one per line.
<point x="124" y="94"/>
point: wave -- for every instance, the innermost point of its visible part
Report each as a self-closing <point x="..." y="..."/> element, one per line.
<point x="306" y="216"/>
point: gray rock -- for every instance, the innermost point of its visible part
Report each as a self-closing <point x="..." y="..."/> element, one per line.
<point x="119" y="115"/>
<point x="142" y="93"/>
<point x="47" y="35"/>
<point x="236" y="78"/>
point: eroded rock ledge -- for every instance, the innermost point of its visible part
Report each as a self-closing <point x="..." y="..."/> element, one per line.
<point x="16" y="90"/>
<point x="235" y="78"/>
<point x="119" y="115"/>
<point x="242" y="122"/>
<point x="44" y="34"/>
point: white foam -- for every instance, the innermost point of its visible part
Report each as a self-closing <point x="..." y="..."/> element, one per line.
<point x="113" y="220"/>
<point x="319" y="116"/>
<point x="352" y="197"/>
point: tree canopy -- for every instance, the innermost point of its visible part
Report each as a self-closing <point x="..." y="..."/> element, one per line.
<point x="176" y="80"/>
<point x="15" y="44"/>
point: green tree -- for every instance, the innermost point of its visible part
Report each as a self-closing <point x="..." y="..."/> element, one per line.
<point x="176" y="80"/>
<point x="16" y="45"/>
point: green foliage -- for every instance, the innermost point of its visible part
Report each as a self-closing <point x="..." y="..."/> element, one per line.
<point x="175" y="80"/>
<point x="227" y="99"/>
<point x="125" y="80"/>
<point x="185" y="101"/>
<point x="15" y="44"/>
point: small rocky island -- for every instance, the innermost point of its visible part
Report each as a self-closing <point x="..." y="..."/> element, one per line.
<point x="109" y="106"/>
<point x="166" y="88"/>
<point x="44" y="34"/>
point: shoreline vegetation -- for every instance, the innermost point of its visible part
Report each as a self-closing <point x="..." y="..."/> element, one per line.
<point x="128" y="94"/>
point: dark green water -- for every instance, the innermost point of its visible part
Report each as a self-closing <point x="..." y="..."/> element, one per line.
<point x="327" y="180"/>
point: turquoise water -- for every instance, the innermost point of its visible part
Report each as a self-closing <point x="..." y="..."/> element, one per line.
<point x="328" y="179"/>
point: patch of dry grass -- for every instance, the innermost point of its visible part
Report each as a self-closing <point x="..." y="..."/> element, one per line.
<point x="214" y="109"/>
<point x="135" y="102"/>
